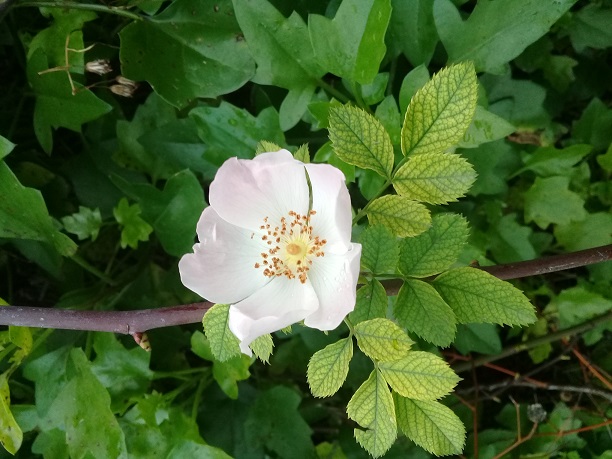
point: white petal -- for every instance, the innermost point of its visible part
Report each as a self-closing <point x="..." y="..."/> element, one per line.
<point x="280" y="303"/>
<point x="222" y="267"/>
<point x="331" y="201"/>
<point x="244" y="192"/>
<point x="334" y="278"/>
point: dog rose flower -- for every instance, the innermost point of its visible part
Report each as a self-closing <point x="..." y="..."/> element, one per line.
<point x="275" y="249"/>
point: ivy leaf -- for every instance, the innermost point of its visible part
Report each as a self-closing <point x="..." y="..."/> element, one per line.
<point x="412" y="28"/>
<point x="294" y="106"/>
<point x="85" y="223"/>
<point x="173" y="212"/>
<point x="23" y="215"/>
<point x="125" y="373"/>
<point x="134" y="228"/>
<point x="371" y="302"/>
<point x="327" y="368"/>
<point x="56" y="106"/>
<point x="441" y="111"/>
<point x="11" y="434"/>
<point x="6" y="146"/>
<point x="419" y="375"/>
<point x="436" y="249"/>
<point x="275" y="423"/>
<point x="421" y="310"/>
<point x="67" y="23"/>
<point x="381" y="339"/>
<point x="372" y="408"/>
<point x="485" y="127"/>
<point x="193" y="48"/>
<point x="481" y="338"/>
<point x="435" y="178"/>
<point x="352" y="45"/>
<point x="495" y="32"/>
<point x="380" y="251"/>
<point x="140" y="138"/>
<point x="547" y="161"/>
<point x="401" y="215"/>
<point x="549" y="200"/>
<point x="223" y="344"/>
<point x="229" y="131"/>
<point x="431" y="425"/>
<point x="413" y="81"/>
<point x="228" y="373"/>
<point x="82" y="410"/>
<point x="477" y="296"/>
<point x="359" y="139"/>
<point x="590" y="27"/>
<point x="280" y="46"/>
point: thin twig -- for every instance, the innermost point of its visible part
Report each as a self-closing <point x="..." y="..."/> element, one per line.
<point x="543" y="386"/>
<point x="131" y="322"/>
<point x="527" y="345"/>
<point x="551" y="264"/>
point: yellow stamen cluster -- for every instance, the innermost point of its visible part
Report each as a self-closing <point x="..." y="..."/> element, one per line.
<point x="292" y="247"/>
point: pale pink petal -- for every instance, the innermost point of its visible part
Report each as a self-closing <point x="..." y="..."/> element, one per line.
<point x="334" y="278"/>
<point x="222" y="267"/>
<point x="244" y="192"/>
<point x="331" y="201"/>
<point x="278" y="304"/>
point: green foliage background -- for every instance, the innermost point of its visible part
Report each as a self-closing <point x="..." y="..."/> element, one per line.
<point x="100" y="194"/>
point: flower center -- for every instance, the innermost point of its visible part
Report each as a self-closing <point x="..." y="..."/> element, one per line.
<point x="292" y="247"/>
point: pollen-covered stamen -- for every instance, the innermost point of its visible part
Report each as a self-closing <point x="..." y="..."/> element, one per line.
<point x="292" y="247"/>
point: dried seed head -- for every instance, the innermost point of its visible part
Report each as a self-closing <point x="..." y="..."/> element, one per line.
<point x="536" y="413"/>
<point x="126" y="82"/>
<point x="122" y="90"/>
<point x="99" y="66"/>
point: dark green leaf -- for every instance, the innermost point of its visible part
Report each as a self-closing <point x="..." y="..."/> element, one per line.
<point x="275" y="423"/>
<point x="194" y="48"/>
<point x="549" y="200"/>
<point x="482" y="338"/>
<point x="352" y="44"/>
<point x="412" y="30"/>
<point x="56" y="105"/>
<point x="172" y="212"/>
<point x="281" y="47"/>
<point x="496" y="31"/>
<point x="23" y="215"/>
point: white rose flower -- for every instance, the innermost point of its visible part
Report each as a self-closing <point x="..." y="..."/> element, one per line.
<point x="268" y="254"/>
